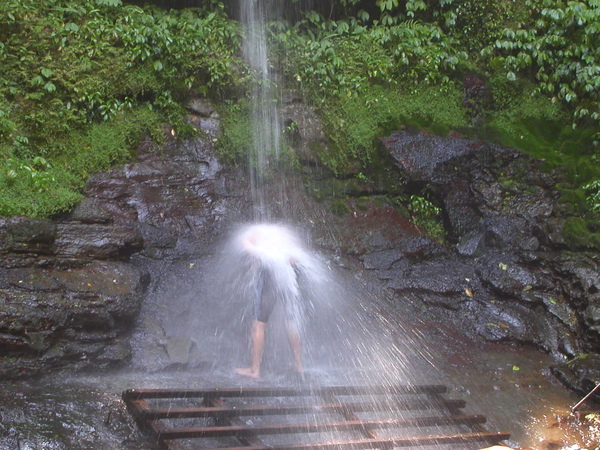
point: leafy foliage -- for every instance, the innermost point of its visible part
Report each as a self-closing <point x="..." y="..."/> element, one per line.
<point x="593" y="198"/>
<point x="369" y="76"/>
<point x="560" y="51"/>
<point x="69" y="66"/>
<point x="340" y="58"/>
<point x="81" y="81"/>
<point x="427" y="216"/>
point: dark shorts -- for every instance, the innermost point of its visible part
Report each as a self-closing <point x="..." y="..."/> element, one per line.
<point x="264" y="300"/>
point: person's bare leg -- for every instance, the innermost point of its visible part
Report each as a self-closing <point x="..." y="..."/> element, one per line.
<point x="257" y="346"/>
<point x="296" y="345"/>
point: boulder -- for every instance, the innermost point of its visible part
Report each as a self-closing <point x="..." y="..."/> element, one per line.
<point x="501" y="217"/>
<point x="47" y="314"/>
<point x="20" y="235"/>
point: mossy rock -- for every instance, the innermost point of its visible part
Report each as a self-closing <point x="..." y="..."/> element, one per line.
<point x="574" y="200"/>
<point x="339" y="207"/>
<point x="578" y="235"/>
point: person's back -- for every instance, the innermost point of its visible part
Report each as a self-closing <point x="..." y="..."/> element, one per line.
<point x="273" y="253"/>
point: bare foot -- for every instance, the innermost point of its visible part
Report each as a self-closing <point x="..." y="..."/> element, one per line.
<point x="248" y="372"/>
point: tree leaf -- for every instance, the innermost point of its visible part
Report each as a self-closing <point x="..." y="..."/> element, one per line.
<point x="109" y="2"/>
<point x="50" y="86"/>
<point x="72" y="27"/>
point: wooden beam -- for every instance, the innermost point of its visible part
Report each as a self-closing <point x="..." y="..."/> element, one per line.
<point x="133" y="394"/>
<point x="220" y="431"/>
<point x="491" y="438"/>
<point x="264" y="410"/>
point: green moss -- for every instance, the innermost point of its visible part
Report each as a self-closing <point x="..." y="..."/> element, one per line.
<point x="30" y="189"/>
<point x="339" y="207"/>
<point x="354" y="125"/>
<point x="523" y="120"/>
<point x="236" y="140"/>
<point x="22" y="198"/>
<point x="540" y="127"/>
<point x="363" y="204"/>
<point x="578" y="235"/>
<point x="399" y="204"/>
<point x="109" y="143"/>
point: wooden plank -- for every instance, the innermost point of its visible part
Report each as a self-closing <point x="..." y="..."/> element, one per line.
<point x="138" y="409"/>
<point x="349" y="414"/>
<point x="159" y="428"/>
<point x="263" y="410"/>
<point x="220" y="431"/>
<point x="282" y="392"/>
<point x="248" y="440"/>
<point x="389" y="401"/>
<point x="488" y="438"/>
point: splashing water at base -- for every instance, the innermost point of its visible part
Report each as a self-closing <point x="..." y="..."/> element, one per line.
<point x="344" y="329"/>
<point x="348" y="337"/>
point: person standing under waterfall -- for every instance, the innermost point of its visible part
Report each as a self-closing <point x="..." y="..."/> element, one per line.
<point x="274" y="258"/>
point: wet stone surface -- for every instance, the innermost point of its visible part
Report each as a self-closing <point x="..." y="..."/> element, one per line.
<point x="55" y="417"/>
<point x="71" y="289"/>
<point x="503" y="266"/>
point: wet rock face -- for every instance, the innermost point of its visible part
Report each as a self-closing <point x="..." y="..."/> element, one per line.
<point x="303" y="130"/>
<point x="504" y="274"/>
<point x="71" y="289"/>
<point x="66" y="295"/>
<point x="173" y="195"/>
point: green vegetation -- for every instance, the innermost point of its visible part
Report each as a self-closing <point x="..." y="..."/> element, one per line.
<point x="82" y="81"/>
<point x="370" y="77"/>
<point x="355" y="124"/>
<point x="234" y="145"/>
<point x="404" y="48"/>
<point x="427" y="216"/>
<point x="560" y="51"/>
<point x="581" y="234"/>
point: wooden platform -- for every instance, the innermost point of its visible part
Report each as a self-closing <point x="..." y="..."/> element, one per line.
<point x="335" y="417"/>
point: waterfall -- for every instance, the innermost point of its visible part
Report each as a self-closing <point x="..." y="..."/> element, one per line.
<point x="266" y="121"/>
<point x="334" y="331"/>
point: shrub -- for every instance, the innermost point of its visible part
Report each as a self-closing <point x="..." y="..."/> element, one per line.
<point x="559" y="49"/>
<point x="341" y="58"/>
<point x="427" y="216"/>
<point x="81" y="81"/>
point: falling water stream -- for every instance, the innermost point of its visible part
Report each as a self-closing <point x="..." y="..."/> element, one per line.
<point x="351" y="332"/>
<point x="266" y="123"/>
